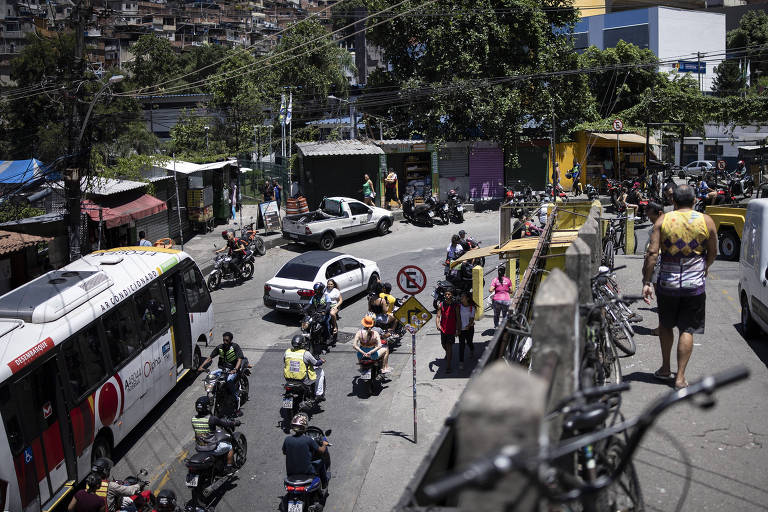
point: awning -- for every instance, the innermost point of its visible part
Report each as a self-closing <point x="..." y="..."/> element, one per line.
<point x="479" y="252"/>
<point x="624" y="138"/>
<point x="559" y="239"/>
<point x="114" y="216"/>
<point x="20" y="171"/>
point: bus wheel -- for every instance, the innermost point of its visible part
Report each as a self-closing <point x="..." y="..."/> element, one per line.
<point x="102" y="448"/>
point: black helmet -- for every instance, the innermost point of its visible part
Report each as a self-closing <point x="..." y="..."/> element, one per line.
<point x="102" y="467"/>
<point x="203" y="405"/>
<point x="166" y="501"/>
<point x="462" y="233"/>
<point x="297" y="341"/>
<point x="319" y="288"/>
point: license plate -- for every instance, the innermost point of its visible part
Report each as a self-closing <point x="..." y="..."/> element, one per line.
<point x="192" y="480"/>
<point x="295" y="506"/>
<point x="366" y="375"/>
<point x="431" y="214"/>
<point x="282" y="305"/>
<point x="288" y="403"/>
<point x="460" y="208"/>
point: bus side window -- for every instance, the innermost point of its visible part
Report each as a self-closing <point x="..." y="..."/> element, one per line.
<point x="198" y="298"/>
<point x="84" y="359"/>
<point x="120" y="334"/>
<point x="11" y="420"/>
<point x="153" y="317"/>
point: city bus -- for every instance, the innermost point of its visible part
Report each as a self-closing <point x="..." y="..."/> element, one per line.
<point x="86" y="352"/>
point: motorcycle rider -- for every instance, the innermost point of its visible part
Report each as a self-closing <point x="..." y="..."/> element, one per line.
<point x="454" y="251"/>
<point x="386" y="294"/>
<point x="300" y="364"/>
<point x="230" y="360"/>
<point x="303" y="456"/>
<point x="204" y="424"/>
<point x="236" y="248"/>
<point x="706" y="194"/>
<point x="319" y="302"/>
<point x="118" y="495"/>
<point x="367" y="343"/>
<point x="378" y="306"/>
<point x="467" y="242"/>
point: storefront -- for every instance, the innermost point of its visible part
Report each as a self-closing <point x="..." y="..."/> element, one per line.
<point x="453" y="160"/>
<point x="486" y="171"/>
<point x="416" y="164"/>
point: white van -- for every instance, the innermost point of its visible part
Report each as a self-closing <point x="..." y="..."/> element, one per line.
<point x="753" y="279"/>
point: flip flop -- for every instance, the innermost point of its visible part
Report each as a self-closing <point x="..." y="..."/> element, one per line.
<point x="664" y="378"/>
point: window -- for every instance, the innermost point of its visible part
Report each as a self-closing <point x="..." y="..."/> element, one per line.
<point x="359" y="209"/>
<point x="120" y="334"/>
<point x="332" y="207"/>
<point x="334" y="269"/>
<point x="84" y="360"/>
<point x="150" y="305"/>
<point x="298" y="271"/>
<point x="198" y="298"/>
<point x="11" y="417"/>
<point x="350" y="264"/>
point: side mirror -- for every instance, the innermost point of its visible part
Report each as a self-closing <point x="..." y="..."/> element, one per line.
<point x="328" y="432"/>
<point x="214" y="246"/>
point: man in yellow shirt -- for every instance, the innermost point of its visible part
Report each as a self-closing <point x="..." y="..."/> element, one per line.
<point x="386" y="294"/>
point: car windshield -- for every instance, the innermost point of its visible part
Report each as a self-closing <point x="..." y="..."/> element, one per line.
<point x="331" y="207"/>
<point x="298" y="271"/>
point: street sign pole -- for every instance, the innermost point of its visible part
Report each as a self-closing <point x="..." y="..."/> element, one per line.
<point x="413" y="356"/>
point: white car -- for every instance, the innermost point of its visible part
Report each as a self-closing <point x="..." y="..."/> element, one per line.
<point x="753" y="279"/>
<point x="694" y="168"/>
<point x="291" y="288"/>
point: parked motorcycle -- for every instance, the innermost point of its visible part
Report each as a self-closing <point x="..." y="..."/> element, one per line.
<point x="439" y="208"/>
<point x="303" y="493"/>
<point x="555" y="192"/>
<point x="592" y="192"/>
<point x="254" y="241"/>
<point x="206" y="472"/>
<point x="315" y="331"/>
<point x="417" y="213"/>
<point x="223" y="402"/>
<point x="224" y="267"/>
<point x="455" y="207"/>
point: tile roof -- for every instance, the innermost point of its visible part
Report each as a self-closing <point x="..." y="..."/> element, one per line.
<point x="338" y="147"/>
<point x="12" y="242"/>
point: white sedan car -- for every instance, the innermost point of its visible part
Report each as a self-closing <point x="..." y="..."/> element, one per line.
<point x="291" y="288"/>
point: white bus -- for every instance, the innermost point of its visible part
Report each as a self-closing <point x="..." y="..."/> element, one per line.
<point x="86" y="352"/>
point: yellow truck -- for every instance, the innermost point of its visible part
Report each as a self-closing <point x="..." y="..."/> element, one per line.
<point x="729" y="222"/>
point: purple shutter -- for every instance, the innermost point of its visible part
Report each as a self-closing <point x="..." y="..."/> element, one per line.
<point x="486" y="171"/>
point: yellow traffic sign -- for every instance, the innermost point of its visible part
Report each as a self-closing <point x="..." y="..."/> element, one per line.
<point x="413" y="314"/>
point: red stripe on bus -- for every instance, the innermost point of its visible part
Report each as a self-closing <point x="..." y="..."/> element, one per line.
<point x="37" y="454"/>
<point x="54" y="450"/>
<point x="122" y="392"/>
<point x="82" y="426"/>
<point x="30" y="355"/>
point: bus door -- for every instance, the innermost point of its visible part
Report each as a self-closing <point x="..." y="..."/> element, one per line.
<point x="179" y="318"/>
<point x="199" y="308"/>
<point x="39" y="434"/>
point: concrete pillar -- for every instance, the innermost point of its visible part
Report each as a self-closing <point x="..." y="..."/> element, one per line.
<point x="503" y="405"/>
<point x="578" y="263"/>
<point x="590" y="234"/>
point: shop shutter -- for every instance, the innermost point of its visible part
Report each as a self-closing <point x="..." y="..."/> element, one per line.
<point x="453" y="162"/>
<point x="486" y="172"/>
<point x="155" y="226"/>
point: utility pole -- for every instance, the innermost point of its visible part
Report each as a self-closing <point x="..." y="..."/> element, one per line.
<point x="79" y="157"/>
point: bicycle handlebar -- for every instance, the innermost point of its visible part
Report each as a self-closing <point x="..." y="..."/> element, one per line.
<point x="512" y="458"/>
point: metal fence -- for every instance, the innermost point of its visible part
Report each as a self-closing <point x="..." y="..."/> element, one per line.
<point x="252" y="181"/>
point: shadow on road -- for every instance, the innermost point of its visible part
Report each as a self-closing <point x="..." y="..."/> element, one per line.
<point x="646" y="377"/>
<point x="360" y="388"/>
<point x="397" y="433"/>
<point x="758" y="345"/>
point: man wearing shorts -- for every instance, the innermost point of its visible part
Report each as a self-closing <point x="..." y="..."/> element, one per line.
<point x="367" y="343"/>
<point x="687" y="241"/>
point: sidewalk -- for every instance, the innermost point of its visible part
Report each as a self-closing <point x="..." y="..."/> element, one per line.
<point x="396" y="457"/>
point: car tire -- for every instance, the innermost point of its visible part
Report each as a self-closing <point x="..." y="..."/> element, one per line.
<point x="749" y="327"/>
<point x="729" y="245"/>
<point x="383" y="227"/>
<point x="327" y="241"/>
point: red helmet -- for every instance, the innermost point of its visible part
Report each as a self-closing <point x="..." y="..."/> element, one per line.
<point x="741" y="162"/>
<point x="224" y="234"/>
<point x="510" y="194"/>
<point x="636" y="185"/>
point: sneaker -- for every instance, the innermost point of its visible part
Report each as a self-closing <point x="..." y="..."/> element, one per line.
<point x="229" y="470"/>
<point x="387" y="370"/>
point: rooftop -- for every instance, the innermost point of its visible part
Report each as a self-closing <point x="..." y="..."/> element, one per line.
<point x="338" y="147"/>
<point x="12" y="242"/>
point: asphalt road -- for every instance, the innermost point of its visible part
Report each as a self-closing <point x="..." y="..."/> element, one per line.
<point x="162" y="442"/>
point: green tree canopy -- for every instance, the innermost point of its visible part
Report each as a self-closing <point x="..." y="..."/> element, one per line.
<point x="752" y="37"/>
<point x="729" y="79"/>
<point x="154" y="61"/>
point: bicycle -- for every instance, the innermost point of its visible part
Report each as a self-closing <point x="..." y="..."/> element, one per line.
<point x="538" y="463"/>
<point x="605" y="289"/>
<point x="614" y="240"/>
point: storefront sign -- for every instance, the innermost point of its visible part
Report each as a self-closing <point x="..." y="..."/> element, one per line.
<point x="691" y="66"/>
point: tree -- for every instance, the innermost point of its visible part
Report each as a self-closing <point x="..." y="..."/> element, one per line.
<point x="468" y="69"/>
<point x="200" y="63"/>
<point x="729" y="79"/>
<point x="752" y="38"/>
<point x="155" y="61"/>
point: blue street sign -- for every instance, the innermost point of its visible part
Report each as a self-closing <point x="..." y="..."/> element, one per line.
<point x="691" y="66"/>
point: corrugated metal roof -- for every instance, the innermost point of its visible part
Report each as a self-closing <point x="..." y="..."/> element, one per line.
<point x="108" y="186"/>
<point x="12" y="242"/>
<point x="178" y="166"/>
<point x="398" y="142"/>
<point x="338" y="147"/>
<point x="216" y="165"/>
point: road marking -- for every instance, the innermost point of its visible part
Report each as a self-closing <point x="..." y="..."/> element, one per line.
<point x="166" y="472"/>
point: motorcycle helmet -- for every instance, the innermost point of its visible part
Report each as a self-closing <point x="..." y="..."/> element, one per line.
<point x="462" y="233"/>
<point x="319" y="288"/>
<point x="102" y="466"/>
<point x="741" y="162"/>
<point x="203" y="405"/>
<point x="299" y="422"/>
<point x="297" y="341"/>
<point x="166" y="501"/>
<point x="224" y="234"/>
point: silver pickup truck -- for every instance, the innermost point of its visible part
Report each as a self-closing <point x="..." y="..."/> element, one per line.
<point x="337" y="217"/>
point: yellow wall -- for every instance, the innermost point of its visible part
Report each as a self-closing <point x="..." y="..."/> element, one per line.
<point x="590" y="7"/>
<point x="567" y="153"/>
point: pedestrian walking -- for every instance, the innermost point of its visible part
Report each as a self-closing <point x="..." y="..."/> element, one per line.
<point x="687" y="242"/>
<point x="390" y="189"/>
<point x="368" y="193"/>
<point x="467" y="309"/>
<point x="556" y="175"/>
<point x="447" y="321"/>
<point x="500" y="286"/>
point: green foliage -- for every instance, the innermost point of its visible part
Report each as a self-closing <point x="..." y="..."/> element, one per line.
<point x="200" y="63"/>
<point x="10" y="210"/>
<point x="729" y="79"/>
<point x="155" y="60"/>
<point x="752" y="34"/>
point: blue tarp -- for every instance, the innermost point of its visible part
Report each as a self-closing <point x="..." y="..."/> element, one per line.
<point x="21" y="171"/>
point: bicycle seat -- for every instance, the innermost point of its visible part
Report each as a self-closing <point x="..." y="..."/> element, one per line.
<point x="588" y="419"/>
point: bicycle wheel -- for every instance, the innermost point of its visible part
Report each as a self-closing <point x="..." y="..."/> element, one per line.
<point x="610" y="360"/>
<point x="619" y="334"/>
<point x="625" y="493"/>
<point x="608" y="254"/>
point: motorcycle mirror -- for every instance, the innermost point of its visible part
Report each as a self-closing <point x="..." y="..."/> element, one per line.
<point x="214" y="246"/>
<point x="143" y="473"/>
<point x="328" y="432"/>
